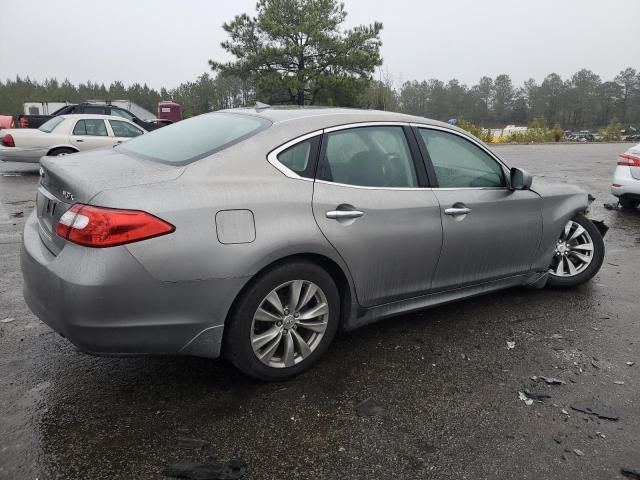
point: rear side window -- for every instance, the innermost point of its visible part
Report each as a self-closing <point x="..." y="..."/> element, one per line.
<point x="91" y="127"/>
<point x="301" y="157"/>
<point x="369" y="157"/>
<point x="94" y="110"/>
<point x="195" y="138"/>
<point x="50" y="124"/>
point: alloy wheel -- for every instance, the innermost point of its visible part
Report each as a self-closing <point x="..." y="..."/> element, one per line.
<point x="573" y="252"/>
<point x="289" y="323"/>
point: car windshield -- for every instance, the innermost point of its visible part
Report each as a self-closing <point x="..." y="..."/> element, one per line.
<point x="50" y="124"/>
<point x="189" y="140"/>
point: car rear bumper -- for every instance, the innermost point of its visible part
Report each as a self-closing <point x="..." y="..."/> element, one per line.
<point x="624" y="183"/>
<point x="17" y="154"/>
<point x="105" y="302"/>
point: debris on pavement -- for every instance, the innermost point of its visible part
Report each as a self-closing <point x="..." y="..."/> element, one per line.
<point x="527" y="401"/>
<point x="511" y="345"/>
<point x="552" y="381"/>
<point x="600" y="411"/>
<point x="631" y="472"/>
<point x="631" y="364"/>
<point x="594" y="363"/>
<point x="611" y="206"/>
<point x="368" y="408"/>
<point x="557" y="336"/>
<point x="618" y="382"/>
<point x="536" y="396"/>
<point x="192" y="443"/>
<point x="231" y="470"/>
<point x="579" y="453"/>
<point x="10" y="319"/>
<point x="18" y="214"/>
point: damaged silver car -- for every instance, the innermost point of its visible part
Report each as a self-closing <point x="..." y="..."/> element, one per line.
<point x="257" y="234"/>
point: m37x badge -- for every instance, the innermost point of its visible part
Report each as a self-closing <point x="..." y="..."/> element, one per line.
<point x="68" y="195"/>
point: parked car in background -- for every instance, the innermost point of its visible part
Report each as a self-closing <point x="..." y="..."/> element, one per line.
<point x="259" y="233"/>
<point x="626" y="178"/>
<point x="65" y="134"/>
<point x="34" y="121"/>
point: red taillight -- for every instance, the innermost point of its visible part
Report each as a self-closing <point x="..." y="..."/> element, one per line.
<point x="628" y="160"/>
<point x="7" y="141"/>
<point x="107" y="227"/>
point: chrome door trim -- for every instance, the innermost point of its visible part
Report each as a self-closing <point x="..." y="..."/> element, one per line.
<point x="272" y="156"/>
<point x="457" y="211"/>
<point x="365" y="124"/>
<point x="326" y="182"/>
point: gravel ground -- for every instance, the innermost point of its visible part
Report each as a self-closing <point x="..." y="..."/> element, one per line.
<point x="444" y="378"/>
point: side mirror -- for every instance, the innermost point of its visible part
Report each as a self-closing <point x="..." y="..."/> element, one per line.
<point x="520" y="179"/>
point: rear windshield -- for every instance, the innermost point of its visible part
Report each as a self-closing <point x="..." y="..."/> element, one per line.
<point x="195" y="138"/>
<point x="50" y="124"/>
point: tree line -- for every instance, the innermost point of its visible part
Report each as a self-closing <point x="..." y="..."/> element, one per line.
<point x="298" y="52"/>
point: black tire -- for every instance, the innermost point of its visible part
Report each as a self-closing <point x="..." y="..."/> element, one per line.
<point x="237" y="347"/>
<point x="60" y="151"/>
<point x="588" y="273"/>
<point x="629" y="203"/>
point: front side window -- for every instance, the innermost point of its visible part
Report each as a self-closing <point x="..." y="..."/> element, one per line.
<point x="50" y="124"/>
<point x="369" y="157"/>
<point x="195" y="138"/>
<point x="458" y="163"/>
<point x="90" y="127"/>
<point x="124" y="129"/>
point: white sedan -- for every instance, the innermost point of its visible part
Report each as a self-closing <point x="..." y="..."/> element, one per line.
<point x="626" y="178"/>
<point x="65" y="134"/>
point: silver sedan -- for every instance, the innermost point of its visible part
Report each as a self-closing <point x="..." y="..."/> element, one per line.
<point x="258" y="234"/>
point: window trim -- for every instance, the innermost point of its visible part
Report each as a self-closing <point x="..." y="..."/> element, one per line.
<point x="272" y="156"/>
<point x="429" y="164"/>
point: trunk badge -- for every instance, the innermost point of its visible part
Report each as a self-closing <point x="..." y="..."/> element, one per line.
<point x="68" y="195"/>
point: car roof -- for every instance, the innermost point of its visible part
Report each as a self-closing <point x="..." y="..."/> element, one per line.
<point x="85" y="116"/>
<point x="329" y="116"/>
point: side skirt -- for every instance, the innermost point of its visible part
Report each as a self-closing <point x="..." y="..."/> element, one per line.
<point x="364" y="316"/>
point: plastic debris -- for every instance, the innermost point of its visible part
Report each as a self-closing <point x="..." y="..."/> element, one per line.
<point x="552" y="381"/>
<point x="630" y="472"/>
<point x="618" y="382"/>
<point x="579" y="453"/>
<point x="511" y="345"/>
<point x="527" y="401"/>
<point x="7" y="320"/>
<point x="630" y="364"/>
<point x="536" y="396"/>
<point x="599" y="411"/>
<point x="368" y="408"/>
<point x="231" y="470"/>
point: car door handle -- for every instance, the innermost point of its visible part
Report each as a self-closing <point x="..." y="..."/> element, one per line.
<point x="457" y="211"/>
<point x="79" y="140"/>
<point x="340" y="214"/>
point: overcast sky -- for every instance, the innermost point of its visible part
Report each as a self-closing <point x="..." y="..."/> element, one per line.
<point x="166" y="42"/>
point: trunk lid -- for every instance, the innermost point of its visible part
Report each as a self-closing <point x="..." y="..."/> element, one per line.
<point x="79" y="177"/>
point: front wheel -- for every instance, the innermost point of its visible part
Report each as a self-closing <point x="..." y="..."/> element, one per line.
<point x="284" y="322"/>
<point x="578" y="255"/>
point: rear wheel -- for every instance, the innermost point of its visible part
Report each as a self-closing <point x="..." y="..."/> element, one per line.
<point x="578" y="255"/>
<point x="58" y="152"/>
<point x="284" y="322"/>
<point x="629" y="202"/>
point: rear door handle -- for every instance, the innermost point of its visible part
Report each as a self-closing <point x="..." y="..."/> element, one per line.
<point x="79" y="140"/>
<point x="340" y="214"/>
<point x="457" y="211"/>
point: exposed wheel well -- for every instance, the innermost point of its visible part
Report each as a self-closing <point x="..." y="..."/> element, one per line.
<point x="331" y="267"/>
<point x="53" y="150"/>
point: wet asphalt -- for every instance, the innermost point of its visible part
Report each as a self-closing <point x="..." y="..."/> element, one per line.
<point x="444" y="378"/>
